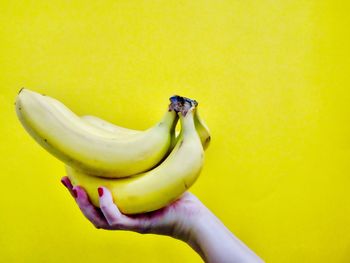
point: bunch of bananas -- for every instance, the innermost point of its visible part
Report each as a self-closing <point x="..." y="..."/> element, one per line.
<point x="144" y="170"/>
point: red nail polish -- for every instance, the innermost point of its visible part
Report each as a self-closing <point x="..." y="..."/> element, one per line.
<point x="64" y="183"/>
<point x="75" y="193"/>
<point x="100" y="191"/>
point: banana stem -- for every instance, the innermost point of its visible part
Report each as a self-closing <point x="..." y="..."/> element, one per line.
<point x="182" y="104"/>
<point x="187" y="122"/>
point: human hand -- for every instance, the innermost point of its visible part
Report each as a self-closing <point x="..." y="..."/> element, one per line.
<point x="176" y="220"/>
<point x="186" y="219"/>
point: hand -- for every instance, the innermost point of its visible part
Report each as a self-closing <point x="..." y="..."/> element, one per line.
<point x="175" y="220"/>
<point x="186" y="219"/>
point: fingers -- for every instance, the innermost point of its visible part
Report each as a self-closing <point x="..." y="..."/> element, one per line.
<point x="108" y="208"/>
<point x="108" y="216"/>
<point x="67" y="183"/>
<point x="91" y="213"/>
<point x="115" y="218"/>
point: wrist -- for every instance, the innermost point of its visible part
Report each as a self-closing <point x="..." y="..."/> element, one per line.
<point x="215" y="243"/>
<point x="187" y="222"/>
<point x="202" y="227"/>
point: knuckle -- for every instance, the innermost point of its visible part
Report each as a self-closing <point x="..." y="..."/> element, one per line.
<point x="104" y="207"/>
<point x="144" y="228"/>
<point x="116" y="225"/>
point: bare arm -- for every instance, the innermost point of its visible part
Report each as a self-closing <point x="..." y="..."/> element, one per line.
<point x="215" y="243"/>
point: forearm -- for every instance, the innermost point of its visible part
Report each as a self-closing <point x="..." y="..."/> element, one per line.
<point x="215" y="243"/>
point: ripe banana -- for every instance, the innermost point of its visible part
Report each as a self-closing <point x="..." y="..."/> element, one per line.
<point x="88" y="148"/>
<point x="107" y="126"/>
<point x="201" y="127"/>
<point x="158" y="187"/>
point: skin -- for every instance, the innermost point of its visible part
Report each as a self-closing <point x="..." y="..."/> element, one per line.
<point x="186" y="219"/>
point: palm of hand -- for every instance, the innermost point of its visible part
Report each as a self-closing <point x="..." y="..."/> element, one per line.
<point x="174" y="220"/>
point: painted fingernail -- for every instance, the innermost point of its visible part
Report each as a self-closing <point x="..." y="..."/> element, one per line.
<point x="100" y="191"/>
<point x="64" y="183"/>
<point x="75" y="193"/>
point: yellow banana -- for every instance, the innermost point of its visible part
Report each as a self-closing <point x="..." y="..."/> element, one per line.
<point x="201" y="127"/>
<point x="158" y="187"/>
<point x="88" y="148"/>
<point x="107" y="126"/>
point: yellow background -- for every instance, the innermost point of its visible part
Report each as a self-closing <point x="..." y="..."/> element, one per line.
<point x="272" y="80"/>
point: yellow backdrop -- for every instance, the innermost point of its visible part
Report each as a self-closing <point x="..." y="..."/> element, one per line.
<point x="272" y="81"/>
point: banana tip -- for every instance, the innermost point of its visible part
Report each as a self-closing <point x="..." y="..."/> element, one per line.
<point x="20" y="90"/>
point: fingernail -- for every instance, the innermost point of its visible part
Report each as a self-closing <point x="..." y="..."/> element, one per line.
<point x="64" y="183"/>
<point x="75" y="193"/>
<point x="100" y="191"/>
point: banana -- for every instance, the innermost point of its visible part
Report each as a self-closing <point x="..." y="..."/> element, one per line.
<point x="201" y="127"/>
<point x="88" y="148"/>
<point x="107" y="126"/>
<point x="158" y="187"/>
